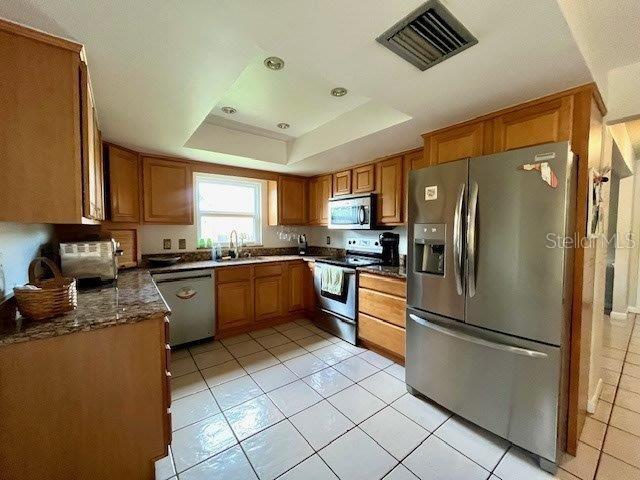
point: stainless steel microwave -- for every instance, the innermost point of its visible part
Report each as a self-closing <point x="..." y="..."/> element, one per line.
<point x="352" y="213"/>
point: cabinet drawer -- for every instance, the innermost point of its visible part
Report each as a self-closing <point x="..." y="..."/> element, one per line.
<point x="382" y="334"/>
<point x="392" y="286"/>
<point x="233" y="274"/>
<point x="382" y="305"/>
<point x="267" y="270"/>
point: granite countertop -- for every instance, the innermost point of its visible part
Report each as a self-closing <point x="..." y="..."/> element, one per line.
<point x="394" y="272"/>
<point x="206" y="264"/>
<point x="132" y="299"/>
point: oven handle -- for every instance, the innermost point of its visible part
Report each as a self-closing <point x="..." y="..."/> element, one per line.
<point x="477" y="340"/>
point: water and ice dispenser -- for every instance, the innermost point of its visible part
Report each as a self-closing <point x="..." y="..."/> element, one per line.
<point x="429" y="248"/>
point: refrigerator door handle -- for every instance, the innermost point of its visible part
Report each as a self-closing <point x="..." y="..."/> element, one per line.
<point x="471" y="238"/>
<point x="477" y="340"/>
<point x="457" y="240"/>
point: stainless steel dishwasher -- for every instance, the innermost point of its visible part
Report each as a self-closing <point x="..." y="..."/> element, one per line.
<point x="191" y="297"/>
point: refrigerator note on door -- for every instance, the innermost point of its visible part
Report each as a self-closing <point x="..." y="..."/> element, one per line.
<point x="489" y="291"/>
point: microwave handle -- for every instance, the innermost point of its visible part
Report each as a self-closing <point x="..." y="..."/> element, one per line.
<point x="361" y="215"/>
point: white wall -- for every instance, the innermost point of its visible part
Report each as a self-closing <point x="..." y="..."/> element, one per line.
<point x="19" y="244"/>
<point x="621" y="268"/>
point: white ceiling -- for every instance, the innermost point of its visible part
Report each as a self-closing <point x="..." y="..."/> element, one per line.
<point x="606" y="32"/>
<point x="160" y="68"/>
<point x="265" y="98"/>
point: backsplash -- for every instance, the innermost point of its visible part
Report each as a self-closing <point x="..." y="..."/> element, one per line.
<point x="317" y="236"/>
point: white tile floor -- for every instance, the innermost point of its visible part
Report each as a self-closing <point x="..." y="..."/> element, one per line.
<point x="295" y="403"/>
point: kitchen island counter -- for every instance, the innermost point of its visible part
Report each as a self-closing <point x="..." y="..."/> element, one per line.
<point x="132" y="298"/>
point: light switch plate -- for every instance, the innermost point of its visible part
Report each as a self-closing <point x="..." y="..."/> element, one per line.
<point x="328" y="240"/>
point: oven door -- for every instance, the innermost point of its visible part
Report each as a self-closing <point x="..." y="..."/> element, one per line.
<point x="351" y="213"/>
<point x="343" y="305"/>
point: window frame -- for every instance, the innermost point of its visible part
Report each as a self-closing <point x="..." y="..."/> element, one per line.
<point x="227" y="180"/>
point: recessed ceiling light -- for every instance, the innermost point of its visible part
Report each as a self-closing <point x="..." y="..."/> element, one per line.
<point x="229" y="110"/>
<point x="339" y="92"/>
<point x="283" y="125"/>
<point x="274" y="63"/>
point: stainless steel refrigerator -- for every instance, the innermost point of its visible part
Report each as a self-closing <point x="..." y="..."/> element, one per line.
<point x="489" y="291"/>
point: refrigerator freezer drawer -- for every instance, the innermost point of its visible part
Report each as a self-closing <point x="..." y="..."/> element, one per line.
<point x="504" y="384"/>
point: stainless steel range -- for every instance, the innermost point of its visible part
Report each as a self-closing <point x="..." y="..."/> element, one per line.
<point x="337" y="313"/>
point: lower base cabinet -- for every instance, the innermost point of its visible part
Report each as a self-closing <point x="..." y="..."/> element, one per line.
<point x="379" y="333"/>
<point x="381" y="317"/>
<point x="251" y="297"/>
<point x="234" y="304"/>
<point x="98" y="410"/>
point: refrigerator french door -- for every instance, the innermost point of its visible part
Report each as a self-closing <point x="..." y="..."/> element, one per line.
<point x="489" y="290"/>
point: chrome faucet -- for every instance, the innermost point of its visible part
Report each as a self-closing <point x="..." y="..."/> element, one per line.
<point x="233" y="246"/>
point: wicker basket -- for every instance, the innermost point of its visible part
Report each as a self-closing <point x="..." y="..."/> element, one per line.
<point x="55" y="296"/>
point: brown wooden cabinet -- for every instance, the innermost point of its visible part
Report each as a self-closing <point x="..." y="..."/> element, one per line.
<point x="324" y="195"/>
<point x="314" y="204"/>
<point x="342" y="183"/>
<point x="269" y="292"/>
<point x="124" y="184"/>
<point x="234" y="297"/>
<point x="64" y="420"/>
<point x="251" y="297"/>
<point x="167" y="186"/>
<point x="390" y="174"/>
<point x="44" y="127"/>
<point x="455" y="143"/>
<point x="381" y="317"/>
<point x="533" y="125"/>
<point x="288" y="201"/>
<point x="295" y="286"/>
<point x="364" y="179"/>
<point x="319" y="189"/>
<point x="92" y="171"/>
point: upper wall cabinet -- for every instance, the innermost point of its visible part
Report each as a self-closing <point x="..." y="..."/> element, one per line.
<point x="454" y="143"/>
<point x="342" y="183"/>
<point x="364" y="179"/>
<point x="92" y="171"/>
<point x="533" y="125"/>
<point x="167" y="191"/>
<point x="312" y="195"/>
<point x="288" y="201"/>
<point x="320" y="189"/>
<point x="390" y="176"/>
<point x="47" y="131"/>
<point x="324" y="195"/>
<point x="124" y="184"/>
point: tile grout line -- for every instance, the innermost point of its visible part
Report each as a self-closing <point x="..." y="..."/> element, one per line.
<point x="615" y="396"/>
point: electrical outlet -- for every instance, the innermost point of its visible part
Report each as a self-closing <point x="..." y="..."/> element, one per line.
<point x="166" y="244"/>
<point x="328" y="240"/>
<point x="182" y="244"/>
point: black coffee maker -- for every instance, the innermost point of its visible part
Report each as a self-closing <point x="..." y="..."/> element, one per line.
<point x="390" y="243"/>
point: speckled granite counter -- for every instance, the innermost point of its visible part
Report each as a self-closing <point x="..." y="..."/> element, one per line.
<point x="135" y="298"/>
<point x="205" y="264"/>
<point x="394" y="272"/>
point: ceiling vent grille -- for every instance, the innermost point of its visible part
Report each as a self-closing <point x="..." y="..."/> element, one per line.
<point x="427" y="36"/>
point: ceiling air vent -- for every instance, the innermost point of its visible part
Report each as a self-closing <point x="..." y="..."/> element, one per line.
<point x="427" y="36"/>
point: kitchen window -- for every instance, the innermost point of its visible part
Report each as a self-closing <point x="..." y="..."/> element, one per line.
<point x="224" y="204"/>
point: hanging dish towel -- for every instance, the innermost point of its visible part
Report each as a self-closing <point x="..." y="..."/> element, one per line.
<point x="332" y="280"/>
